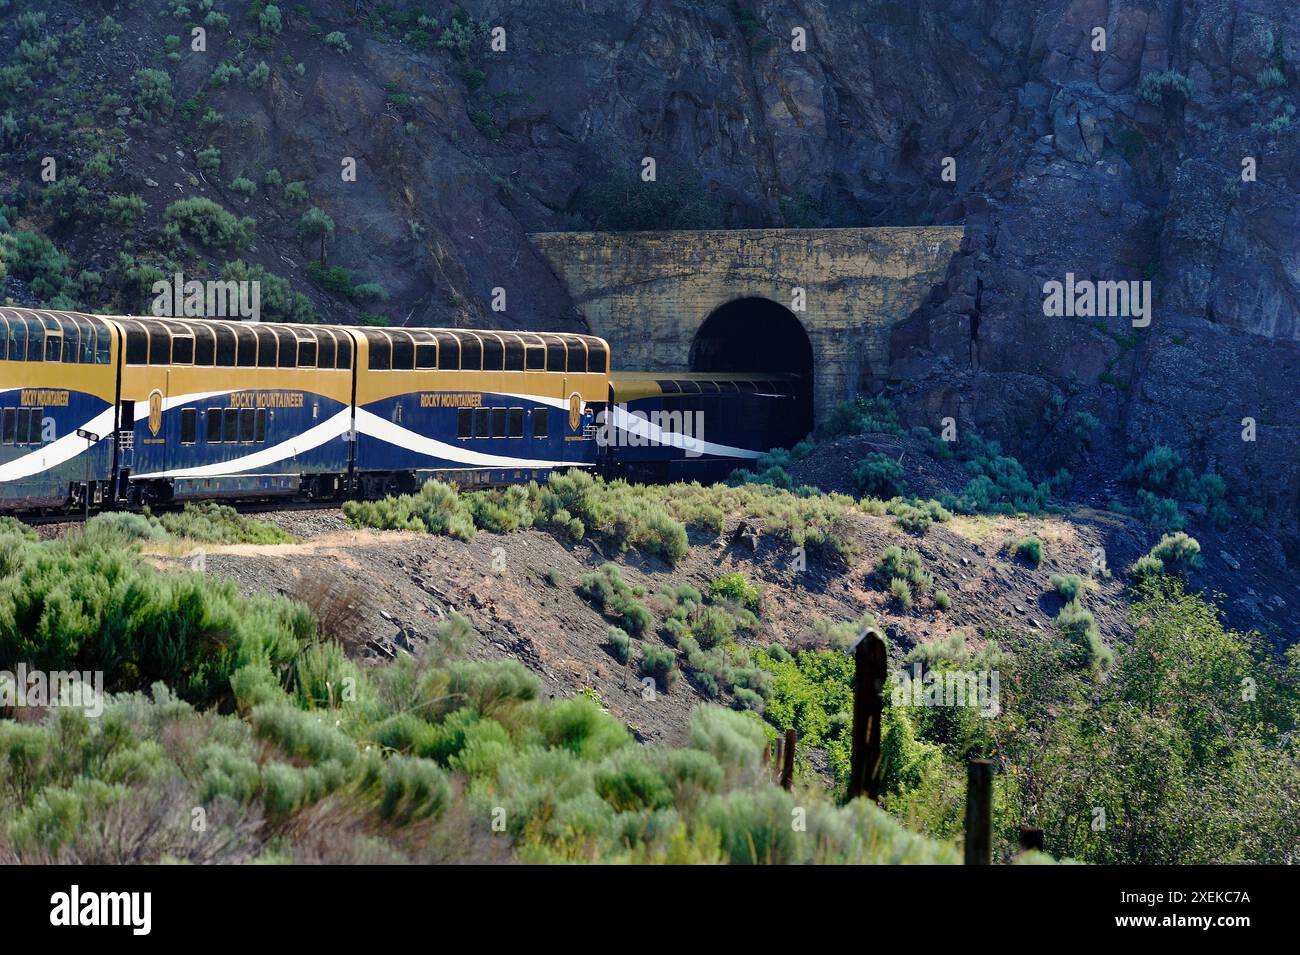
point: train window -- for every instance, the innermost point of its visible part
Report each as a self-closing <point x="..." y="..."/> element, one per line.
<point x="482" y="422"/>
<point x="448" y="352"/>
<point x="246" y="424"/>
<point x="345" y="351"/>
<point x="493" y="353"/>
<point x="668" y="386"/>
<point x="471" y="354"/>
<point x="268" y="348"/>
<point x="306" y="353"/>
<point x="288" y="348"/>
<point x="325" y="353"/>
<point x="245" y="347"/>
<point x="24" y="422"/>
<point x="103" y="344"/>
<point x="426" y="355"/>
<point x="71" y="343"/>
<point x="597" y="357"/>
<point x="35" y="340"/>
<point x="540" y="416"/>
<point x="7" y="426"/>
<point x="225" y="356"/>
<point x="688" y="387"/>
<point x="205" y="346"/>
<point x="214" y="426"/>
<point x="516" y="422"/>
<point x="555" y="355"/>
<point x="259" y="426"/>
<point x="465" y="422"/>
<point x="403" y="352"/>
<point x="88" y="336"/>
<point x="230" y="425"/>
<point x="709" y="387"/>
<point x="381" y="352"/>
<point x="137" y="345"/>
<point x="189" y="425"/>
<point x="53" y="347"/>
<point x="182" y="350"/>
<point x="4" y="337"/>
<point x="577" y="356"/>
<point x="535" y="359"/>
<point x="17" y="340"/>
<point x="160" y="345"/>
<point x="514" y="354"/>
<point x="498" y="422"/>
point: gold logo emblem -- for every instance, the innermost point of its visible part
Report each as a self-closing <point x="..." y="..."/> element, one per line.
<point x="575" y="411"/>
<point x="155" y="412"/>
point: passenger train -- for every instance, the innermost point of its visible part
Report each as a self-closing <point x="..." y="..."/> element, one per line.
<point x="110" y="412"/>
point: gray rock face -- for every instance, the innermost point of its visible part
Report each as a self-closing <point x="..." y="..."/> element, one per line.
<point x="1069" y="159"/>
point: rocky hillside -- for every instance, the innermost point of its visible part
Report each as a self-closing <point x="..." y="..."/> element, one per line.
<point x="1117" y="163"/>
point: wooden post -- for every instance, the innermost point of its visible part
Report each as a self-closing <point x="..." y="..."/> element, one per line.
<point x="979" y="812"/>
<point x="787" y="763"/>
<point x="1031" y="839"/>
<point x="871" y="666"/>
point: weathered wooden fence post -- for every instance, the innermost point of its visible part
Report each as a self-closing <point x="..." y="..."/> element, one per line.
<point x="871" y="666"/>
<point x="979" y="812"/>
<point x="1031" y="839"/>
<point x="787" y="764"/>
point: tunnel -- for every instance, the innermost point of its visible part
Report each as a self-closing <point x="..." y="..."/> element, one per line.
<point x="759" y="335"/>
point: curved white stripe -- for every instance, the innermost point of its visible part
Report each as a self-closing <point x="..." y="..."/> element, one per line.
<point x="58" y="451"/>
<point x="64" y="449"/>
<point x="384" y="430"/>
<point x="650" y="432"/>
<point x="298" y="444"/>
<point x="561" y="403"/>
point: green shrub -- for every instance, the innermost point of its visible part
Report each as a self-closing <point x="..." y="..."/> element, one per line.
<point x="861" y="415"/>
<point x="1069" y="587"/>
<point x="942" y="600"/>
<point x="619" y="643"/>
<point x="153" y="95"/>
<point x="126" y="210"/>
<point x="879" y="475"/>
<point x="1028" y="548"/>
<point x="337" y="41"/>
<point x="207" y="224"/>
<point x="901" y="591"/>
<point x="1079" y="628"/>
<point x="659" y="663"/>
<point x="735" y="588"/>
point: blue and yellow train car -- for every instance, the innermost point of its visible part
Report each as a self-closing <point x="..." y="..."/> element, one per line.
<point x="213" y="409"/>
<point x="698" y="426"/>
<point x="58" y="385"/>
<point x="474" y="407"/>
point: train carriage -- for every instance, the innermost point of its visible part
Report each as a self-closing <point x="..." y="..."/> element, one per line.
<point x="474" y="407"/>
<point x="213" y="409"/>
<point x="663" y="426"/>
<point x="58" y="385"/>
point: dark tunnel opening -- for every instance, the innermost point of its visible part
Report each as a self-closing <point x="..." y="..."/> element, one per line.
<point x="759" y="335"/>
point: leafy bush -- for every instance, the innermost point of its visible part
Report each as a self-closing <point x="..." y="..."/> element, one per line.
<point x="861" y="415"/>
<point x="735" y="588"/>
<point x="1028" y="548"/>
<point x="942" y="600"/>
<point x="1177" y="554"/>
<point x="619" y="644"/>
<point x="659" y="663"/>
<point x="879" y="475"/>
<point x="1069" y="587"/>
<point x="337" y="41"/>
<point x="206" y="223"/>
